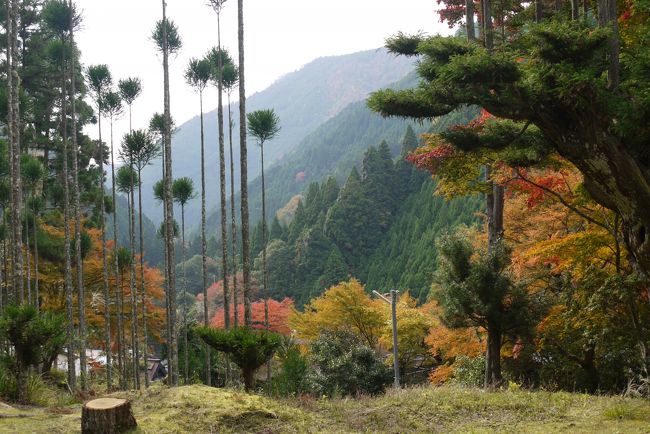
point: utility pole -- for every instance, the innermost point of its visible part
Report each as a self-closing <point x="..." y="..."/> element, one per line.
<point x="393" y="305"/>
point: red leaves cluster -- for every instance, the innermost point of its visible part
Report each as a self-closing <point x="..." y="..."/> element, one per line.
<point x="430" y="158"/>
<point x="278" y="315"/>
<point x="537" y="194"/>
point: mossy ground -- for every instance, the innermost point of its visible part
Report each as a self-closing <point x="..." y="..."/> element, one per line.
<point x="200" y="409"/>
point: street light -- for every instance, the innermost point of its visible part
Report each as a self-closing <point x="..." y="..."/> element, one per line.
<point x="393" y="304"/>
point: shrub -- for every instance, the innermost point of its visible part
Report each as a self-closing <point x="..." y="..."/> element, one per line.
<point x="248" y="349"/>
<point x="27" y="332"/>
<point x="292" y="379"/>
<point x="343" y="365"/>
<point x="470" y="371"/>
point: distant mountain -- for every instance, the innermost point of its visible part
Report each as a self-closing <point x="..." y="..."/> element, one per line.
<point x="304" y="100"/>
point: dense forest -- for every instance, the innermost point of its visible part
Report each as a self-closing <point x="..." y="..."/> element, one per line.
<point x="471" y="215"/>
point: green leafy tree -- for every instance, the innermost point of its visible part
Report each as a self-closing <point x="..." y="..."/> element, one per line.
<point x="99" y="82"/>
<point x="220" y="57"/>
<point x="349" y="221"/>
<point x="140" y="148"/>
<point x="344" y="365"/>
<point x="27" y="332"/>
<point x="543" y="76"/>
<point x="130" y="89"/>
<point x="264" y="125"/>
<point x="168" y="41"/>
<point x="480" y="293"/>
<point x="57" y="17"/>
<point x="198" y="75"/>
<point x="229" y="77"/>
<point x="249" y="349"/>
<point x="32" y="173"/>
<point x="183" y="191"/>
<point x="127" y="178"/>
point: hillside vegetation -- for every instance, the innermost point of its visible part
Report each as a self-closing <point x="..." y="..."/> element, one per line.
<point x="201" y="409"/>
<point x="303" y="100"/>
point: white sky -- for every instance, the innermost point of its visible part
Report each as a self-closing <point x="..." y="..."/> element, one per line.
<point x="281" y="36"/>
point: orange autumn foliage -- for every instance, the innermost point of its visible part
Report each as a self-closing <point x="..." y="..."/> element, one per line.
<point x="52" y="283"/>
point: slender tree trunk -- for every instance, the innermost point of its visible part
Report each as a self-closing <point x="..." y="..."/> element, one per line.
<point x="118" y="276"/>
<point x="37" y="301"/>
<point x="13" y="81"/>
<point x="185" y="348"/>
<point x="5" y="276"/>
<point x="107" y="294"/>
<point x="28" y="257"/>
<point x="77" y="211"/>
<point x="143" y="291"/>
<point x="488" y="31"/>
<point x="204" y="248"/>
<point x="133" y="288"/>
<point x="493" y="378"/>
<point x="169" y="210"/>
<point x="245" y="230"/>
<point x="222" y="186"/>
<point x="10" y="150"/>
<point x="233" y="220"/>
<point x="575" y="9"/>
<point x="469" y="20"/>
<point x="539" y="10"/>
<point x="265" y="280"/>
<point x="66" y="231"/>
<point x="168" y="325"/>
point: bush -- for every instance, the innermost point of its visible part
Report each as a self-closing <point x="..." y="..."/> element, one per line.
<point x="470" y="371"/>
<point x="343" y="365"/>
<point x="27" y="332"/>
<point x="292" y="380"/>
<point x="249" y="349"/>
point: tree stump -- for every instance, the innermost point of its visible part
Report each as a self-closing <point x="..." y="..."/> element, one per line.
<point x="107" y="416"/>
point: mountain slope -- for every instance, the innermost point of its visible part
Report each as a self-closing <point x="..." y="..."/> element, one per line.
<point x="304" y="100"/>
<point x="332" y="149"/>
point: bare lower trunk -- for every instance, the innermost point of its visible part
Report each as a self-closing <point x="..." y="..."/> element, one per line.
<point x="488" y="31"/>
<point x="204" y="248"/>
<point x="16" y="185"/>
<point x="107" y="295"/>
<point x="169" y="210"/>
<point x="143" y="289"/>
<point x="222" y="189"/>
<point x="493" y="378"/>
<point x="469" y="20"/>
<point x="168" y="326"/>
<point x="118" y="277"/>
<point x="185" y="342"/>
<point x="77" y="212"/>
<point x="245" y="230"/>
<point x="66" y="234"/>
<point x="135" y="343"/>
<point x="28" y="257"/>
<point x="233" y="221"/>
<point x="265" y="280"/>
<point x="37" y="301"/>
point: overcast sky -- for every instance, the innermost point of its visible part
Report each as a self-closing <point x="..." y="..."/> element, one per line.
<point x="281" y="36"/>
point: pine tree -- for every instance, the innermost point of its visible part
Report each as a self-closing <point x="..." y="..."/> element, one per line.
<point x="349" y="222"/>
<point x="336" y="271"/>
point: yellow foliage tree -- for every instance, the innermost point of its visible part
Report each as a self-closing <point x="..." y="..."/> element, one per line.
<point x="345" y="306"/>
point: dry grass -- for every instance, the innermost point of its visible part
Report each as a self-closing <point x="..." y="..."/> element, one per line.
<point x="199" y="409"/>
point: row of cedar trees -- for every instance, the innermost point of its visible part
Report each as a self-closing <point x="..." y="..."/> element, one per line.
<point x="37" y="23"/>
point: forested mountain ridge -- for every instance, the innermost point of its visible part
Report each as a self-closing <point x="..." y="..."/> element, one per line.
<point x="380" y="226"/>
<point x="303" y="100"/>
<point x="331" y="150"/>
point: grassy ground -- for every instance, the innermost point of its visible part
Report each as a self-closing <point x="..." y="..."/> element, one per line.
<point x="199" y="409"/>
